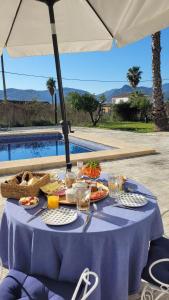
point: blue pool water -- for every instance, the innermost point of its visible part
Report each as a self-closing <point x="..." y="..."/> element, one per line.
<point x="15" y="148"/>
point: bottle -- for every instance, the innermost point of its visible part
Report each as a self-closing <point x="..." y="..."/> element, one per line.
<point x="79" y="169"/>
<point x="70" y="177"/>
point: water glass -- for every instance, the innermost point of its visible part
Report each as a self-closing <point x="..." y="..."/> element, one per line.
<point x="79" y="169"/>
<point x="80" y="164"/>
<point x="113" y="185"/>
<point x="83" y="199"/>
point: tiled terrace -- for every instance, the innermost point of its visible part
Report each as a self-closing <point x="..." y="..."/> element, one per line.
<point x="151" y="170"/>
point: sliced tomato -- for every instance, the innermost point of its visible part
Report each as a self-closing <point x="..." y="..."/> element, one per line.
<point x="98" y="195"/>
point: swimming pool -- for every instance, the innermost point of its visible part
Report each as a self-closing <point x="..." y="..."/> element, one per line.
<point x="16" y="147"/>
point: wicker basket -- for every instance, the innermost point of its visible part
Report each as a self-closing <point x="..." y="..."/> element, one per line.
<point x="10" y="188"/>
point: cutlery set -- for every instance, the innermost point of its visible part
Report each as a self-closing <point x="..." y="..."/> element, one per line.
<point x="89" y="214"/>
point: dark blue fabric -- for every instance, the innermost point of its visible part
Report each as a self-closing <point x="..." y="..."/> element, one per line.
<point x="18" y="285"/>
<point x="9" y="288"/>
<point x="115" y="246"/>
<point x="159" y="249"/>
<point x="64" y="289"/>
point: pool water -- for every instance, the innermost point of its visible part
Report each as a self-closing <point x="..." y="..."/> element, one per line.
<point x="37" y="148"/>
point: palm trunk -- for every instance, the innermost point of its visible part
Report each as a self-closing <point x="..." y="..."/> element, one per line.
<point x="159" y="112"/>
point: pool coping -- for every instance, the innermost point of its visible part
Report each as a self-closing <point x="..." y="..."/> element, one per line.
<point x="121" y="151"/>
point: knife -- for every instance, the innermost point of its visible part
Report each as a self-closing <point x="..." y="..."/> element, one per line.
<point x="37" y="212"/>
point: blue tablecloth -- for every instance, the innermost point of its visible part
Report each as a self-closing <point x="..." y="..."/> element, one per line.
<point x="116" y="248"/>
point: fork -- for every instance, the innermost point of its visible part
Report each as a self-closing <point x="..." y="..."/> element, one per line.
<point x="37" y="212"/>
<point x="87" y="221"/>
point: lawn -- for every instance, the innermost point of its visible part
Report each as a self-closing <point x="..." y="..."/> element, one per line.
<point x="130" y="126"/>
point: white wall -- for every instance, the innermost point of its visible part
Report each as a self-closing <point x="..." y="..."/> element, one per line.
<point x="118" y="100"/>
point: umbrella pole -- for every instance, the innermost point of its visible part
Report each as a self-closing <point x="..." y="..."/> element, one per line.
<point x="3" y="77"/>
<point x="65" y="127"/>
<point x="56" y="118"/>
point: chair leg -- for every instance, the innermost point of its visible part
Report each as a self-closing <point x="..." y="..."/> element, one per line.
<point x="147" y="293"/>
<point x="160" y="295"/>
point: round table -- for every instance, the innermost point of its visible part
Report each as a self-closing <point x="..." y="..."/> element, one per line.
<point x="115" y="246"/>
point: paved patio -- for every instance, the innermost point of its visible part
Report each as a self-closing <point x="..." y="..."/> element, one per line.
<point x="151" y="170"/>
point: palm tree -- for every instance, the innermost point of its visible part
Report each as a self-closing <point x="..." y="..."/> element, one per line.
<point x="159" y="112"/>
<point x="134" y="76"/>
<point x="51" y="86"/>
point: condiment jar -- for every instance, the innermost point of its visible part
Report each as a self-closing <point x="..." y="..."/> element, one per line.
<point x="70" y="177"/>
<point x="71" y="195"/>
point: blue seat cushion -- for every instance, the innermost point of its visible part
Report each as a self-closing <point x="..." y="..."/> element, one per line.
<point x="18" y="285"/>
<point x="159" y="249"/>
<point x="10" y="288"/>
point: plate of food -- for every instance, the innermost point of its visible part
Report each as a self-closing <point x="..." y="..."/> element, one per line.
<point x="57" y="188"/>
<point x="92" y="169"/>
<point x="99" y="191"/>
<point x="28" y="202"/>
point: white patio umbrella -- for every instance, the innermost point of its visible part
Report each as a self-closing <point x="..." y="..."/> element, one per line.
<point x="27" y="27"/>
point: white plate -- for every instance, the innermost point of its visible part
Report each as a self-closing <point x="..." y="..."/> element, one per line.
<point x="132" y="199"/>
<point x="59" y="216"/>
<point x="28" y="206"/>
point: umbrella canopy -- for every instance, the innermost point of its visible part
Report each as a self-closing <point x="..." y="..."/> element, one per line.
<point x="81" y="25"/>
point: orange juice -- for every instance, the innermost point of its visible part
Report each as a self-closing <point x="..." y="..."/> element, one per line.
<point x="53" y="202"/>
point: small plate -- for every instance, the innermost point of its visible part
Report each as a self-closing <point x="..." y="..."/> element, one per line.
<point x="59" y="216"/>
<point x="29" y="206"/>
<point x="132" y="199"/>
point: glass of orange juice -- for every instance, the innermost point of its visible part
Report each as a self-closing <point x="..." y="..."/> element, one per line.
<point x="53" y="201"/>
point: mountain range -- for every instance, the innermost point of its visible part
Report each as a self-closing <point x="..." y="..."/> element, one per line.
<point x="25" y="95"/>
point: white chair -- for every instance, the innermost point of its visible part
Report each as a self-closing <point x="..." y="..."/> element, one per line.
<point x="152" y="291"/>
<point x="86" y="285"/>
<point x="85" y="280"/>
<point x="159" y="249"/>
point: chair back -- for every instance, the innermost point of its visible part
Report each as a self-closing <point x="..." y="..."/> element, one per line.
<point x="85" y="279"/>
<point x="163" y="286"/>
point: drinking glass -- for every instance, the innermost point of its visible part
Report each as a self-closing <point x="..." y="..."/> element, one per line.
<point x="79" y="169"/>
<point x="53" y="201"/>
<point x="80" y="164"/>
<point x="83" y="199"/>
<point x="113" y="185"/>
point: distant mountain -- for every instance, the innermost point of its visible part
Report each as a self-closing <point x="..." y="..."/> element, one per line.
<point x="126" y="89"/>
<point x="25" y="95"/>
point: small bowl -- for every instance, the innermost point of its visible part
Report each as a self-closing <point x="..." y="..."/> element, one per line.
<point x="28" y="206"/>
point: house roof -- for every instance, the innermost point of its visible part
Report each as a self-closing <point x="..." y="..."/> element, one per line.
<point x="121" y="96"/>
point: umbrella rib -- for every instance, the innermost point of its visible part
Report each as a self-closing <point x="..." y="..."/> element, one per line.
<point x="10" y="31"/>
<point x="99" y="17"/>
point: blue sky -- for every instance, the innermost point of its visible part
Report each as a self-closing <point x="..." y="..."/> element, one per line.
<point x="111" y="65"/>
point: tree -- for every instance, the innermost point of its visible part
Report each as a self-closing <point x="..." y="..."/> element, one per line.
<point x="134" y="76"/>
<point x="88" y="103"/>
<point x="51" y="86"/>
<point x="123" y="112"/>
<point x="159" y="112"/>
<point x="142" y="105"/>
